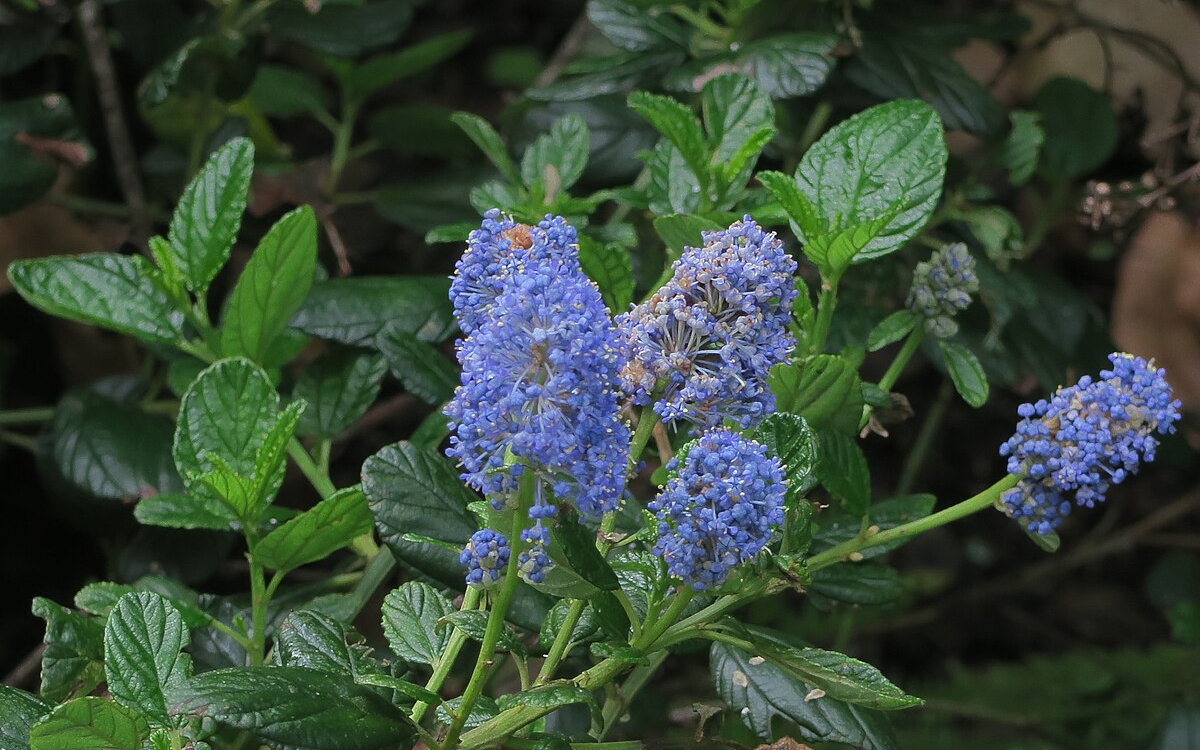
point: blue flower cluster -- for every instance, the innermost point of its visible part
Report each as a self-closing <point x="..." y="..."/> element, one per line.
<point x="942" y="287"/>
<point x="539" y="366"/>
<point x="705" y="341"/>
<point x="1085" y="439"/>
<point x="718" y="510"/>
<point x="486" y="555"/>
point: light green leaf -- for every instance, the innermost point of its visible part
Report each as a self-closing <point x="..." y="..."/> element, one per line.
<point x="679" y="126"/>
<point x="488" y="140"/>
<point x="90" y="724"/>
<point x="410" y="622"/>
<point x="209" y="214"/>
<point x="891" y="329"/>
<point x="611" y="267"/>
<point x="564" y="149"/>
<point x="103" y="289"/>
<point x="740" y="121"/>
<point x="178" y="510"/>
<point x="965" y="371"/>
<point x="272" y="286"/>
<point x="834" y="252"/>
<point x="795" y="203"/>
<point x="143" y="640"/>
<point x="316" y="533"/>
<point x="824" y="389"/>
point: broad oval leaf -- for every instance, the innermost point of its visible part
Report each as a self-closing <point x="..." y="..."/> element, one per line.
<point x="886" y="163"/>
<point x="414" y="490"/>
<point x="104" y="289"/>
<point x="1079" y="125"/>
<point x="338" y="387"/>
<point x="424" y="371"/>
<point x="564" y="149"/>
<point x="844" y="472"/>
<point x="891" y="329"/>
<point x="410" y="622"/>
<point x="90" y="724"/>
<point x="317" y="641"/>
<point x="793" y="441"/>
<point x="858" y="583"/>
<point x="355" y="310"/>
<point x="790" y="64"/>
<point x="824" y="389"/>
<point x="143" y="640"/>
<point x="965" y="371"/>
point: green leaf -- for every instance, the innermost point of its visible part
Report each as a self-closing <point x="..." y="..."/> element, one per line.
<point x="679" y="126"/>
<point x="969" y="378"/>
<point x="488" y="141"/>
<point x="564" y="150"/>
<point x="740" y="121"/>
<point x="90" y="724"/>
<point x="891" y="329"/>
<point x="73" y="661"/>
<point x="106" y="290"/>
<point x="474" y="623"/>
<point x="578" y="543"/>
<point x="423" y="370"/>
<point x="1045" y="542"/>
<point x="143" y="639"/>
<point x="19" y="711"/>
<point x="484" y="710"/>
<point x="789" y="437"/>
<point x="178" y="510"/>
<point x="23" y="42"/>
<point x="673" y="188"/>
<point x="586" y="628"/>
<point x="382" y="70"/>
<point x="355" y="310"/>
<point x="795" y="204"/>
<point x="887" y="162"/>
<point x="633" y="28"/>
<point x="858" y="583"/>
<point x="835" y="529"/>
<point x="761" y="691"/>
<point x="1021" y="148"/>
<point x="682" y="230"/>
<point x="313" y="640"/>
<point x="844" y="472"/>
<point x="28" y="175"/>
<point x="791" y="64"/>
<point x="611" y="267"/>
<point x="899" y="63"/>
<point x="206" y="221"/>
<point x="339" y="387"/>
<point x="295" y="706"/>
<point x="283" y="92"/>
<point x="112" y="450"/>
<point x="410" y="622"/>
<point x="344" y="30"/>
<point x="317" y="533"/>
<point x="824" y="389"/>
<point x="272" y="286"/>
<point x="841" y="677"/>
<point x="404" y="687"/>
<point x="1079" y="124"/>
<point x="834" y="252"/>
<point x="548" y="696"/>
<point x="612" y="74"/>
<point x="415" y="490"/>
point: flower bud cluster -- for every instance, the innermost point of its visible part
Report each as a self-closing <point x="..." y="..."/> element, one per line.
<point x="485" y="556"/>
<point x="706" y="340"/>
<point x="1085" y="439"/>
<point x="718" y="510"/>
<point x="942" y="287"/>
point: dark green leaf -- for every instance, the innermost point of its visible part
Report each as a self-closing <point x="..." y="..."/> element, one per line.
<point x="421" y="129"/>
<point x="23" y="42"/>
<point x="681" y="230"/>
<point x="548" y="696"/>
<point x="969" y="378"/>
<point x="73" y="661"/>
<point x="488" y="141"/>
<point x="416" y="491"/>
<point x="282" y="92"/>
<point x="380" y="71"/>
<point x="1020" y="151"/>
<point x="679" y="126"/>
<point x="586" y="627"/>
<point x="317" y="533"/>
<point x="740" y="120"/>
<point x="484" y="709"/>
<point x="633" y="28"/>
<point x="410" y="621"/>
<point x="795" y="204"/>
<point x="789" y="437"/>
<point x="19" y="711"/>
<point x="824" y="389"/>
<point x="835" y="529"/>
<point x="27" y="175"/>
<point x="593" y="77"/>
<point x="143" y="640"/>
<point x="611" y="267"/>
<point x="338" y="387"/>
<point x="578" y="543"/>
<point x="304" y="708"/>
<point x="844" y="472"/>
<point x="1080" y="128"/>
<point x="313" y="640"/>
<point x="272" y="286"/>
<point x="90" y="724"/>
<point x="884" y="163"/>
<point x="355" y="310"/>
<point x="112" y="450"/>
<point x="761" y="691"/>
<point x="423" y="370"/>
<point x="834" y="252"/>
<point x="111" y="291"/>
<point x="791" y="64"/>
<point x="405" y="688"/>
<point x="342" y="29"/>
<point x="858" y="583"/>
<point x="564" y="150"/>
<point x="891" y="329"/>
<point x="673" y="188"/>
<point x="208" y="216"/>
<point x="474" y="623"/>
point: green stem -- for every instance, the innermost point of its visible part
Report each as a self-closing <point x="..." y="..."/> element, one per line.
<point x="641" y="436"/>
<point x="27" y="416"/>
<point x="17" y="440"/>
<point x="238" y="638"/>
<point x="448" y="657"/>
<point x="713" y="611"/>
<point x="376" y="572"/>
<point x="826" y="302"/>
<point x="317" y="478"/>
<point x="815" y="126"/>
<point x="495" y="624"/>
<point x="559" y="648"/>
<point x="984" y="499"/>
<point x="258" y="612"/>
<point x="902" y="357"/>
<point x="925" y="437"/>
<point x="341" y="143"/>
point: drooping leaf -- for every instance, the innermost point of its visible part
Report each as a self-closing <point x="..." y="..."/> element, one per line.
<point x="103" y="289"/>
<point x="965" y="371"/>
<point x="90" y="724"/>
<point x="488" y="140"/>
<point x="410" y="622"/>
<point x="634" y="28"/>
<point x="578" y="544"/>
<point x="423" y="370"/>
<point x="73" y="661"/>
<point x="355" y="310"/>
<point x="209" y="214"/>
<point x="318" y="532"/>
<point x="1079" y="125"/>
<point x="143" y="641"/>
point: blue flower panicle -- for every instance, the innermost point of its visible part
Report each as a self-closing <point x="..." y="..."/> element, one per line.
<point x="942" y="287"/>
<point x="499" y="247"/>
<point x="1085" y="439"/>
<point x="485" y="556"/>
<point x="718" y="510"/>
<point x="709" y="336"/>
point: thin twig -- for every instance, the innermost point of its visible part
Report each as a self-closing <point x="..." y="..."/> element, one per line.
<point x="570" y="46"/>
<point x="125" y="161"/>
<point x="23" y="673"/>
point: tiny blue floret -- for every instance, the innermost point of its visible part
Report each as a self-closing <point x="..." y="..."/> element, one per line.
<point x="1085" y="439"/>
<point x="718" y="510"/>
<point x="486" y="555"/>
